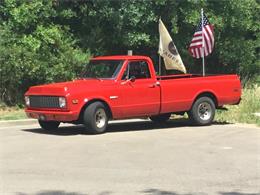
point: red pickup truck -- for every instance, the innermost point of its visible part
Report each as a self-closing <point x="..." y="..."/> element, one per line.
<point x="120" y="87"/>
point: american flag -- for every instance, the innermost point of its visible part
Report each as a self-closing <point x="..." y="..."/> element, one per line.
<point x="206" y="32"/>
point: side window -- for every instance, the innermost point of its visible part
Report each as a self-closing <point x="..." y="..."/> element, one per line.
<point x="138" y="69"/>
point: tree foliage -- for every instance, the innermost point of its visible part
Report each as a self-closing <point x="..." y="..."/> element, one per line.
<point x="45" y="40"/>
<point x="34" y="49"/>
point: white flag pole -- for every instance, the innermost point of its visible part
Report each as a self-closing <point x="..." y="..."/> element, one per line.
<point x="203" y="43"/>
<point x="160" y="48"/>
<point x="160" y="65"/>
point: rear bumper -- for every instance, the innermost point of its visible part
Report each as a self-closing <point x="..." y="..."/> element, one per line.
<point x="238" y="101"/>
<point x="229" y="100"/>
<point x="63" y="116"/>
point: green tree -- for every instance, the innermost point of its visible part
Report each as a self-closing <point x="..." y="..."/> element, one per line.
<point x="34" y="49"/>
<point x="45" y="41"/>
<point x="112" y="27"/>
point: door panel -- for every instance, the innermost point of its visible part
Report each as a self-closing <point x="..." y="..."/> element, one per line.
<point x="141" y="98"/>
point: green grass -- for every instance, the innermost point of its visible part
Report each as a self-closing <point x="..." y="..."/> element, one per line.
<point x="244" y="112"/>
<point x="12" y="113"/>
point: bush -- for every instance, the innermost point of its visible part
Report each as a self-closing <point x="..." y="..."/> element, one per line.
<point x="45" y="41"/>
<point x="33" y="50"/>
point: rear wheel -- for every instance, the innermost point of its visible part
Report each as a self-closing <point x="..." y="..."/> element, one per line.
<point x="160" y="118"/>
<point x="49" y="125"/>
<point x="96" y="118"/>
<point x="202" y="111"/>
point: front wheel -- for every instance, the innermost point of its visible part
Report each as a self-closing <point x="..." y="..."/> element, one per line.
<point x="202" y="111"/>
<point x="49" y="125"/>
<point x="96" y="118"/>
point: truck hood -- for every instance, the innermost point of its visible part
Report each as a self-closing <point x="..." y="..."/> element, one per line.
<point x="64" y="88"/>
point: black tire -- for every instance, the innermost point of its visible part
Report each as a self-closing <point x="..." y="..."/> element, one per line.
<point x="49" y="125"/>
<point x="202" y="111"/>
<point x="160" y="118"/>
<point x="95" y="118"/>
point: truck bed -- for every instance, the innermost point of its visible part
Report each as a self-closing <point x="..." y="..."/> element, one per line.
<point x="178" y="92"/>
<point x="178" y="76"/>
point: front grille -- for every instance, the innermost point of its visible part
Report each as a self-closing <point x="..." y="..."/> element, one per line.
<point x="44" y="102"/>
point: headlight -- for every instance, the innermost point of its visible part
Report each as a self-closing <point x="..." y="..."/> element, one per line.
<point x="62" y="102"/>
<point x="27" y="100"/>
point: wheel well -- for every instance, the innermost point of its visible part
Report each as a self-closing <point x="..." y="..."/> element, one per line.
<point x="110" y="116"/>
<point x="210" y="95"/>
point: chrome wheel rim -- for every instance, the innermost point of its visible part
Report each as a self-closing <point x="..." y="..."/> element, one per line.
<point x="204" y="111"/>
<point x="100" y="117"/>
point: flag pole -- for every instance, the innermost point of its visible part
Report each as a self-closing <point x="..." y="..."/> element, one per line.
<point x="160" y="65"/>
<point x="203" y="43"/>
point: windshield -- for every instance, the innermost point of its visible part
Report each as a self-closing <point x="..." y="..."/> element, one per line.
<point x="105" y="69"/>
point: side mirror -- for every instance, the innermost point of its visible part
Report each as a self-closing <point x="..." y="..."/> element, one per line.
<point x="132" y="79"/>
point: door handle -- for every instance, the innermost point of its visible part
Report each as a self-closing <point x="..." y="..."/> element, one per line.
<point x="152" y="86"/>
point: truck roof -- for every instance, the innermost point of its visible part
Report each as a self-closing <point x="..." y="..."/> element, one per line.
<point x="121" y="57"/>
